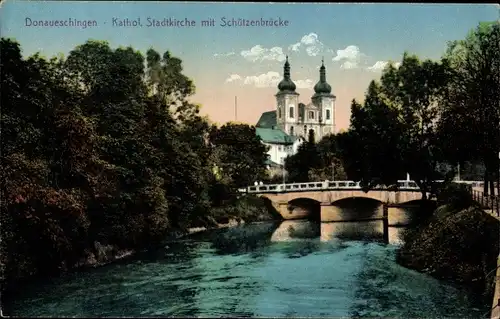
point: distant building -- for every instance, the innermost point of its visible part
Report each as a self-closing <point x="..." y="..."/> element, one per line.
<point x="280" y="144"/>
<point x="288" y="126"/>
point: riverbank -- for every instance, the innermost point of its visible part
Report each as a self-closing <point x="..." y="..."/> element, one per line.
<point x="252" y="270"/>
<point x="455" y="244"/>
<point x="237" y="211"/>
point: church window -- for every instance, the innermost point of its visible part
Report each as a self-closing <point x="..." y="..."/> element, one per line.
<point x="279" y="112"/>
<point x="311" y="114"/>
<point x="291" y="130"/>
<point x="327" y="114"/>
<point x="291" y="112"/>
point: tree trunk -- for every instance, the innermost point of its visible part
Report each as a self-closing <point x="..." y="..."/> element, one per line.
<point x="423" y="188"/>
<point x="424" y="195"/>
<point x="498" y="181"/>
<point x="485" y="186"/>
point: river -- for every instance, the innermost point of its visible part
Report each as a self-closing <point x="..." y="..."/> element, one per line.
<point x="293" y="268"/>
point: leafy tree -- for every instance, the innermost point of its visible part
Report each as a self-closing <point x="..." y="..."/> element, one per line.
<point x="415" y="90"/>
<point x="329" y="165"/>
<point x="310" y="137"/>
<point x="90" y="155"/>
<point x="471" y="111"/>
<point x="372" y="147"/>
<point x="298" y="165"/>
<point x="239" y="153"/>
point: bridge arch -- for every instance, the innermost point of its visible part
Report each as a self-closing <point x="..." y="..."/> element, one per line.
<point x="343" y="200"/>
<point x="355" y="208"/>
<point x="304" y="206"/>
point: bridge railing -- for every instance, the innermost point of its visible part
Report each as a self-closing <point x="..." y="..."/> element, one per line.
<point x="487" y="201"/>
<point x="332" y="185"/>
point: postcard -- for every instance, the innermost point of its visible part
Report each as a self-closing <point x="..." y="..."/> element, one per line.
<point x="184" y="159"/>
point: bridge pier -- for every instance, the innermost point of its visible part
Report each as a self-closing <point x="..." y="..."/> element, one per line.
<point x="333" y="213"/>
<point x="393" y="215"/>
<point x="385" y="222"/>
<point x="330" y="213"/>
<point x="398" y="215"/>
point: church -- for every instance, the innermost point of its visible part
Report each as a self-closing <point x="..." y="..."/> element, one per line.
<point x="291" y="123"/>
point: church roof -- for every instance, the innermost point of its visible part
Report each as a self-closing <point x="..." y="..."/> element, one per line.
<point x="267" y="120"/>
<point x="286" y="85"/>
<point x="274" y="136"/>
<point x="322" y="87"/>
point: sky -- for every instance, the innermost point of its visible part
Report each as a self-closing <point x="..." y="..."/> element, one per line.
<point x="355" y="40"/>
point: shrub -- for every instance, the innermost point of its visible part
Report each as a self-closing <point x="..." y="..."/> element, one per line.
<point x="455" y="196"/>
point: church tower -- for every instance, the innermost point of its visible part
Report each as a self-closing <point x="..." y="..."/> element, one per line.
<point x="325" y="102"/>
<point x="287" y="99"/>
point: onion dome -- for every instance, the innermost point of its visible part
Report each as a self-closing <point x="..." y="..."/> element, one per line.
<point x="286" y="84"/>
<point x="322" y="86"/>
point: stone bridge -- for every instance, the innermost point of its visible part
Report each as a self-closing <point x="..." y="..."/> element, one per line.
<point x="302" y="200"/>
<point x="299" y="200"/>
<point x="300" y="205"/>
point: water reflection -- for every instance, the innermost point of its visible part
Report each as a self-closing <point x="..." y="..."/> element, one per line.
<point x="367" y="230"/>
<point x="241" y="239"/>
<point x="296" y="268"/>
<point x="359" y="208"/>
<point x="382" y="290"/>
<point x="296" y="230"/>
<point x="300" y="230"/>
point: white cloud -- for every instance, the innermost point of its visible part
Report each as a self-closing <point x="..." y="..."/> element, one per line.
<point x="224" y="54"/>
<point x="259" y="53"/>
<point x="294" y="47"/>
<point x="311" y="44"/>
<point x="304" y="84"/>
<point x="349" y="65"/>
<point x="266" y="80"/>
<point x="350" y="56"/>
<point x="232" y="78"/>
<point x="349" y="53"/>
<point x="269" y="79"/>
<point x="380" y="65"/>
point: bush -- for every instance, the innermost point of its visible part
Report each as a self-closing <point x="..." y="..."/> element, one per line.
<point x="457" y="245"/>
<point x="455" y="196"/>
<point x="247" y="208"/>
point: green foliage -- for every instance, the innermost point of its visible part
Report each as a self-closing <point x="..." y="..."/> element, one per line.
<point x="422" y="118"/>
<point x="462" y="246"/>
<point x="426" y="114"/>
<point x="247" y="208"/>
<point x="455" y="196"/>
<point x="328" y="165"/>
<point x="470" y="119"/>
<point x="310" y="137"/>
<point x="239" y="153"/>
<point x="316" y="161"/>
<point x="97" y="150"/>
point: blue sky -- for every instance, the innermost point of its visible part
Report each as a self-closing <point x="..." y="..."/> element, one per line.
<point x="373" y="32"/>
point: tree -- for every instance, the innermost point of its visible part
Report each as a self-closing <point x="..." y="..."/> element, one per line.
<point x="329" y="165"/>
<point x="91" y="156"/>
<point x="371" y="150"/>
<point x="470" y="117"/>
<point x="415" y="90"/>
<point x="239" y="154"/>
<point x="299" y="164"/>
<point x="310" y="137"/>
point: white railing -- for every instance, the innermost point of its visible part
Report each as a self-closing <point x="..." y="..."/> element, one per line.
<point x="336" y="185"/>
